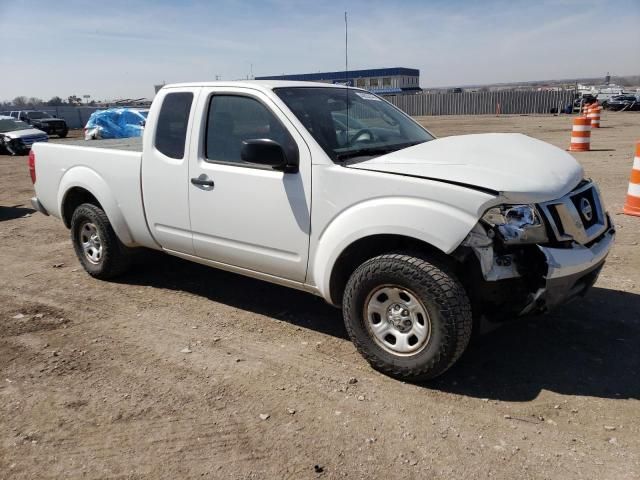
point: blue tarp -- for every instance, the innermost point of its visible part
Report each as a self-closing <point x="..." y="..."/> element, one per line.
<point x="116" y="123"/>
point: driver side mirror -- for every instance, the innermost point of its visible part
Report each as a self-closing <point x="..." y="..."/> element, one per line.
<point x="264" y="151"/>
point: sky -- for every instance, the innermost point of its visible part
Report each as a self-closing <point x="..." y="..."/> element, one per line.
<point x="121" y="48"/>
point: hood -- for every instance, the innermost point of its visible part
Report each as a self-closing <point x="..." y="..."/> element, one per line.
<point x="522" y="169"/>
<point x="47" y="120"/>
<point x="27" y="132"/>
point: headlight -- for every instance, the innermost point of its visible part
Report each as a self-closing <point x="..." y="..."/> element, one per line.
<point x="516" y="224"/>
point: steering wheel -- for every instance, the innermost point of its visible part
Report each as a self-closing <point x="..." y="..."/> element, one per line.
<point x="360" y="133"/>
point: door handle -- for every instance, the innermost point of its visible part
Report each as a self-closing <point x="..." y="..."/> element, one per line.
<point x="202" y="181"/>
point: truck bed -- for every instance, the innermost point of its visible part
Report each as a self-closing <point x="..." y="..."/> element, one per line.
<point x="127" y="144"/>
<point x="109" y="169"/>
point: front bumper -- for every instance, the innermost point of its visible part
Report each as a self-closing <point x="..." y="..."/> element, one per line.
<point x="15" y="146"/>
<point x="53" y="128"/>
<point x="570" y="272"/>
<point x="45" y="128"/>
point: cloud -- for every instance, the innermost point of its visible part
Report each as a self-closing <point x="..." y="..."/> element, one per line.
<point x="120" y="49"/>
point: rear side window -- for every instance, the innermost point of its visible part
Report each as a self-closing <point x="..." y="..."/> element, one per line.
<point x="171" y="132"/>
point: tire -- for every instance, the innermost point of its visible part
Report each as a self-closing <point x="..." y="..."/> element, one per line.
<point x="103" y="257"/>
<point x="421" y="286"/>
<point x="63" y="134"/>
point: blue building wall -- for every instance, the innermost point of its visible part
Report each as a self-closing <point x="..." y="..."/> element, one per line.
<point x="342" y="75"/>
<point x="382" y="81"/>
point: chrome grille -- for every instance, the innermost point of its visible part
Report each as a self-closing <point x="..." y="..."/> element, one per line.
<point x="578" y="216"/>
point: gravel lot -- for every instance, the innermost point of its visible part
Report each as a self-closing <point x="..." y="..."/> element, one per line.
<point x="94" y="382"/>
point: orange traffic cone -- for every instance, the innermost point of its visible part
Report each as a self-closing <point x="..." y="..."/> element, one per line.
<point x="632" y="205"/>
<point x="580" y="135"/>
<point x="594" y="115"/>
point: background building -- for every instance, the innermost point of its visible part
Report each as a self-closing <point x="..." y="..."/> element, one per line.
<point x="376" y="80"/>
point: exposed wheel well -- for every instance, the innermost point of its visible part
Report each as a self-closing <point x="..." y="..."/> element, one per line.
<point x="368" y="247"/>
<point x="73" y="199"/>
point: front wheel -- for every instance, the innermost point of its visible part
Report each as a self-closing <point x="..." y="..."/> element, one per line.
<point x="63" y="133"/>
<point x="409" y="318"/>
<point x="96" y="245"/>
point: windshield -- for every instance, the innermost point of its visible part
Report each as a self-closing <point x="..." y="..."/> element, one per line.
<point x="351" y="123"/>
<point x="12" y="125"/>
<point x="37" y="115"/>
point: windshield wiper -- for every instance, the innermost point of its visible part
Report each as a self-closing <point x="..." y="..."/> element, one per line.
<point x="368" y="152"/>
<point x="361" y="152"/>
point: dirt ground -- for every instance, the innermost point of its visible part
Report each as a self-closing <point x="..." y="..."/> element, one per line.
<point x="94" y="384"/>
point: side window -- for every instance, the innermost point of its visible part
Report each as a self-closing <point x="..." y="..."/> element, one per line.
<point x="171" y="131"/>
<point x="233" y="119"/>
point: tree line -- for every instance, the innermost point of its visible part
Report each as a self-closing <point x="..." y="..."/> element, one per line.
<point x="32" y="102"/>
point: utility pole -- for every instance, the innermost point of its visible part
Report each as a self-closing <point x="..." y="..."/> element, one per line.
<point x="346" y="49"/>
<point x="346" y="68"/>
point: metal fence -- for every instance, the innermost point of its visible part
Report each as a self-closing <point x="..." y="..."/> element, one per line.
<point x="468" y="103"/>
<point x="482" y="103"/>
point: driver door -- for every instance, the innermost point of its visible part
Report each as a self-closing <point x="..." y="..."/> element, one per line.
<point x="248" y="216"/>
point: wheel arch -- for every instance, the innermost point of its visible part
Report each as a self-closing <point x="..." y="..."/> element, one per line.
<point x="383" y="225"/>
<point x="84" y="185"/>
<point x="73" y="198"/>
<point x="371" y="246"/>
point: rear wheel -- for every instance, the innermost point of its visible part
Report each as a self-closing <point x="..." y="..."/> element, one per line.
<point x="96" y="245"/>
<point x="408" y="317"/>
<point x="63" y="134"/>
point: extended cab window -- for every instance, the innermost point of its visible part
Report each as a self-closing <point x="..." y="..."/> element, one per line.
<point x="233" y="119"/>
<point x="171" y="133"/>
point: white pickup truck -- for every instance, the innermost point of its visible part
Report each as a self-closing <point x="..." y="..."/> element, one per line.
<point x="334" y="191"/>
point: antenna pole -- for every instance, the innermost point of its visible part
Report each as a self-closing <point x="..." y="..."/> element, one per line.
<point x="346" y="46"/>
<point x="346" y="70"/>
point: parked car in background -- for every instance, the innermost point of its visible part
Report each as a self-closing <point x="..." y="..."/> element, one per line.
<point x="623" y="102"/>
<point x="579" y="102"/>
<point x="17" y="137"/>
<point x="43" y="121"/>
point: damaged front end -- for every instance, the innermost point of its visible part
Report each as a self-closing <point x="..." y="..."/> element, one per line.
<point x="528" y="259"/>
<point x="12" y="146"/>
